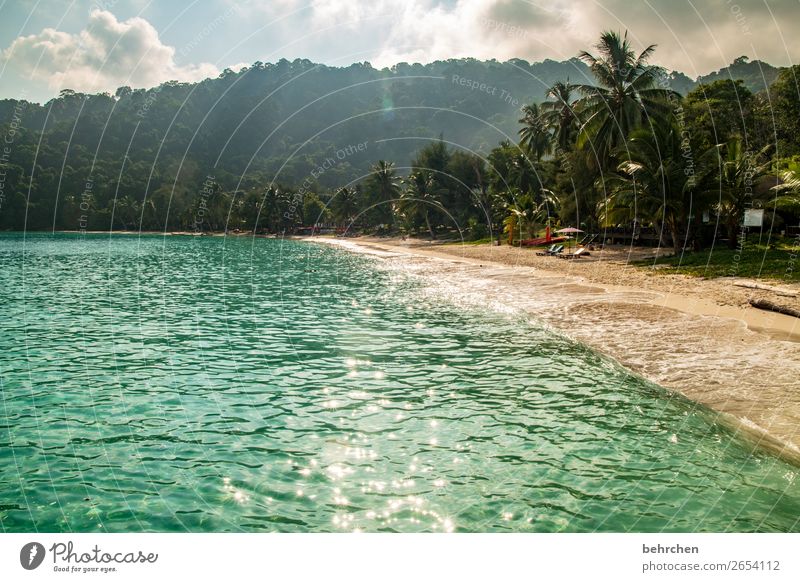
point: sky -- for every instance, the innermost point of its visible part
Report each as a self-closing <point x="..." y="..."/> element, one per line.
<point x="99" y="45"/>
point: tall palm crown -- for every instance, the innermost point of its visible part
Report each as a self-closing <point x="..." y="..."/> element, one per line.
<point x="626" y="95"/>
<point x="421" y="198"/>
<point x="652" y="183"/>
<point x="387" y="180"/>
<point x="558" y="114"/>
<point x="534" y="135"/>
<point x="345" y="205"/>
<point x="787" y="193"/>
<point x="384" y="189"/>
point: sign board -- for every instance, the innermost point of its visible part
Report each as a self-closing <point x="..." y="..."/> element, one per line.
<point x="754" y="217"/>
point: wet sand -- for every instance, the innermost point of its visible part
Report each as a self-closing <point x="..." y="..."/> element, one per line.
<point x="697" y="337"/>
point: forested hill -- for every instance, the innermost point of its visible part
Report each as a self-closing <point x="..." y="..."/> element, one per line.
<point x="267" y="123"/>
<point x="756" y="75"/>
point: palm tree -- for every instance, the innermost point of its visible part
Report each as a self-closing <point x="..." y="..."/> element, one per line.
<point x="787" y="194"/>
<point x="652" y="183"/>
<point x="385" y="185"/>
<point x="527" y="210"/>
<point x="126" y="212"/>
<point x="269" y="210"/>
<point x="626" y="96"/>
<point x="739" y="171"/>
<point x="558" y="115"/>
<point x="510" y="169"/>
<point x="510" y="226"/>
<point x="149" y="217"/>
<point x="218" y="205"/>
<point x="534" y="136"/>
<point x="250" y="208"/>
<point x="345" y="205"/>
<point x="420" y="196"/>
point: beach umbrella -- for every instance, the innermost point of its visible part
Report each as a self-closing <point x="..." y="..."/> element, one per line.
<point x="569" y="230"/>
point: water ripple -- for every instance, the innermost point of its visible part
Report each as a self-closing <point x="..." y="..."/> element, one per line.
<point x="210" y="384"/>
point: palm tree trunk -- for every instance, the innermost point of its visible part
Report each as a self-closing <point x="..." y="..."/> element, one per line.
<point x="428" y="223"/>
<point x="677" y="235"/>
<point x="677" y="245"/>
<point x="733" y="235"/>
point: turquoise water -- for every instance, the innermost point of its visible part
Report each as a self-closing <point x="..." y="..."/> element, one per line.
<point x="211" y="384"/>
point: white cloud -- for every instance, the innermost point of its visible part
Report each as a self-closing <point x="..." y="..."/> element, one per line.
<point x="693" y="41"/>
<point x="106" y="54"/>
<point x="386" y="32"/>
<point x="693" y="37"/>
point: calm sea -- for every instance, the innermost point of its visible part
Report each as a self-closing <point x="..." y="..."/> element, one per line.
<point x="216" y="384"/>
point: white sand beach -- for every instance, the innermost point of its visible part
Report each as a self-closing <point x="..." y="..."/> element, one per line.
<point x="698" y="337"/>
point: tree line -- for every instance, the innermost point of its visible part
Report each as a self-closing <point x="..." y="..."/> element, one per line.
<point x="617" y="146"/>
<point x="626" y="151"/>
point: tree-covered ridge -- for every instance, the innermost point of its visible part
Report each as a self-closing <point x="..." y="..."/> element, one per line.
<point x="755" y="75"/>
<point x="267" y="123"/>
<point x="277" y="146"/>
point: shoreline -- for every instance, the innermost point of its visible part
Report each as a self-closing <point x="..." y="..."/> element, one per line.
<point x="777" y="325"/>
<point x="695" y="340"/>
<point x="157" y="232"/>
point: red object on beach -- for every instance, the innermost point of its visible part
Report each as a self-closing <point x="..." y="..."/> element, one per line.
<point x="547" y="233"/>
<point x="535" y="242"/>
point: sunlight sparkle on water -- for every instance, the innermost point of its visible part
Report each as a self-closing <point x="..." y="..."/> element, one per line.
<point x="338" y="471"/>
<point x="237" y="495"/>
<point x="443" y="414"/>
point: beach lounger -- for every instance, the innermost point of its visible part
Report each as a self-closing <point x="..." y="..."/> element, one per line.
<point x="581" y="252"/>
<point x="553" y="250"/>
